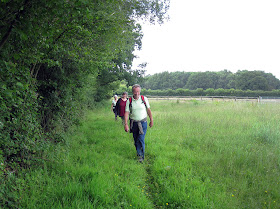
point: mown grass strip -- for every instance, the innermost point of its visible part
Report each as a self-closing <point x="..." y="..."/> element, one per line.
<point x="98" y="171"/>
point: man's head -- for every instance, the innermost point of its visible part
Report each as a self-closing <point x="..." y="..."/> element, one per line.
<point x="136" y="89"/>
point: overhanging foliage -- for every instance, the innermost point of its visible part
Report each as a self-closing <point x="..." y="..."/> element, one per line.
<point x="58" y="58"/>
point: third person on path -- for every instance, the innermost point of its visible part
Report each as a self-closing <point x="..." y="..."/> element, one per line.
<point x="113" y="106"/>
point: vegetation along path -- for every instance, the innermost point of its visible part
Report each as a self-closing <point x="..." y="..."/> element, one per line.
<point x="198" y="155"/>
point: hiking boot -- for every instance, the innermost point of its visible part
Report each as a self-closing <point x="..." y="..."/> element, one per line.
<point x="140" y="159"/>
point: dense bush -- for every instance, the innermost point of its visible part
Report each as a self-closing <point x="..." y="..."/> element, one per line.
<point x="58" y="58"/>
<point x="19" y="118"/>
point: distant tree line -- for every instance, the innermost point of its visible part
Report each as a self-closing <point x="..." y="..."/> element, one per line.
<point x="199" y="92"/>
<point x="211" y="92"/>
<point x="242" y="80"/>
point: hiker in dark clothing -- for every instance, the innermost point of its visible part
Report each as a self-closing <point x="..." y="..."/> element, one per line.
<point x="120" y="106"/>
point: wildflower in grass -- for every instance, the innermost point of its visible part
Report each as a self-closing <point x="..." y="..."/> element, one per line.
<point x="232" y="195"/>
<point x="265" y="191"/>
<point x="167" y="203"/>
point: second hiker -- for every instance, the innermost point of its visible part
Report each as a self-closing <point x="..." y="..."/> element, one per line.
<point x="120" y="106"/>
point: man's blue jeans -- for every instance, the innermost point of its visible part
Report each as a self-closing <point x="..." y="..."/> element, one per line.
<point x="139" y="139"/>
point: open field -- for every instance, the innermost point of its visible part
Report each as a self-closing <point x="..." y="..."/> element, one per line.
<point x="198" y="155"/>
<point x="207" y="98"/>
<point x="219" y="98"/>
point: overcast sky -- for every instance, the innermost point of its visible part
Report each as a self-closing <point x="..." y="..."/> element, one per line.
<point x="204" y="35"/>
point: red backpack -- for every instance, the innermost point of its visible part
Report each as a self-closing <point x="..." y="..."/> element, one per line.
<point x="130" y="102"/>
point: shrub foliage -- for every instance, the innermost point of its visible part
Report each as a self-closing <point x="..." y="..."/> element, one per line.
<point x="58" y="58"/>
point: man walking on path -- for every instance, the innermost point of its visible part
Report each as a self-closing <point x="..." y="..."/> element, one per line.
<point x="137" y="108"/>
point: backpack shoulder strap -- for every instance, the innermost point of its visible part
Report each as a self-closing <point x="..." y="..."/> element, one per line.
<point x="143" y="99"/>
<point x="130" y="102"/>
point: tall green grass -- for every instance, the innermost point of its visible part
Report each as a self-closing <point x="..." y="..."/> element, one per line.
<point x="198" y="155"/>
<point x="221" y="155"/>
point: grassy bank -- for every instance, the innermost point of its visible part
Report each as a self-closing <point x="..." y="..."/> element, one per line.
<point x="198" y="155"/>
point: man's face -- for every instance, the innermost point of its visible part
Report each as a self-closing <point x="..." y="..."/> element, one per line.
<point x="136" y="93"/>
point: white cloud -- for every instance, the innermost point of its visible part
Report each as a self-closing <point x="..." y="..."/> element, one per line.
<point x="214" y="35"/>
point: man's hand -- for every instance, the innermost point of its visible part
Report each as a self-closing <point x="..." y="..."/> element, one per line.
<point x="151" y="117"/>
<point x="151" y="124"/>
<point x="126" y="128"/>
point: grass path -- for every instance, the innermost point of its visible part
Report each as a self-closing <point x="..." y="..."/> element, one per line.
<point x="98" y="169"/>
<point x="198" y="155"/>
